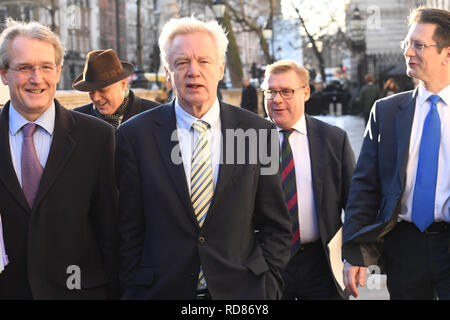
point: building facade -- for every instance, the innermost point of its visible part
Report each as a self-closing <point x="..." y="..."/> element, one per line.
<point x="385" y="25"/>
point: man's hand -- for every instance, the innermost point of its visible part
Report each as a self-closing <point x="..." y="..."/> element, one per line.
<point x="354" y="276"/>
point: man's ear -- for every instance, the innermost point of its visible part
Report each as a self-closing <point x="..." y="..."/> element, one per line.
<point x="4" y="77"/>
<point x="307" y="93"/>
<point x="447" y="56"/>
<point x="168" y="77"/>
<point x="124" y="84"/>
<point x="222" y="69"/>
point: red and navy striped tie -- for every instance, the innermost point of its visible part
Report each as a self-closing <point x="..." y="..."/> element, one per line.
<point x="290" y="188"/>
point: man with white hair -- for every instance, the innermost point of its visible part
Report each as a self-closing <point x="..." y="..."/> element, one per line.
<point x="188" y="209"/>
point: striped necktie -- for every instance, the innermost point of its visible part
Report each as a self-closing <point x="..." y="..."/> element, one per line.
<point x="290" y="188"/>
<point x="422" y="212"/>
<point x="202" y="184"/>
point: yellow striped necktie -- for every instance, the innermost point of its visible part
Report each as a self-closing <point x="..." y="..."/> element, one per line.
<point x="202" y="184"/>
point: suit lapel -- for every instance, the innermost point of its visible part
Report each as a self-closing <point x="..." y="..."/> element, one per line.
<point x="7" y="173"/>
<point x="167" y="146"/>
<point x="134" y="107"/>
<point x="167" y="122"/>
<point x="317" y="156"/>
<point x="60" y="150"/>
<point x="403" y="124"/>
<point x="227" y="121"/>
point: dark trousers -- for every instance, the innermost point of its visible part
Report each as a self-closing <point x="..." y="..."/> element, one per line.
<point x="308" y="275"/>
<point x="417" y="263"/>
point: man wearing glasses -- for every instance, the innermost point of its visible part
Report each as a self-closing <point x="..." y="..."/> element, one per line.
<point x="317" y="165"/>
<point x="399" y="201"/>
<point x="58" y="201"/>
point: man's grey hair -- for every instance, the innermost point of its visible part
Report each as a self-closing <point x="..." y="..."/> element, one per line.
<point x="32" y="30"/>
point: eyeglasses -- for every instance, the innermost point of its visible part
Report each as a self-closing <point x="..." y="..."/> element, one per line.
<point x="417" y="46"/>
<point x="270" y="94"/>
<point x="28" y="70"/>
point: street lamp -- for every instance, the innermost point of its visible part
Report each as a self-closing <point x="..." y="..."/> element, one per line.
<point x="357" y="26"/>
<point x="268" y="36"/>
<point x="267" y="31"/>
<point x="219" y="8"/>
<point x="358" y="41"/>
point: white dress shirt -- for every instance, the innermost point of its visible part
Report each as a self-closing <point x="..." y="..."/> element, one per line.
<point x="442" y="201"/>
<point x="307" y="215"/>
<point x="187" y="137"/>
<point x="42" y="137"/>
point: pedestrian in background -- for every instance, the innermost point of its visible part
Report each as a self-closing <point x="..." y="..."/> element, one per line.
<point x="105" y="78"/>
<point x="249" y="98"/>
<point x="390" y="87"/>
<point x="369" y="93"/>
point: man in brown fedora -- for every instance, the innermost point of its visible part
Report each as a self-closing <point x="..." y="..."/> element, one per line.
<point x="105" y="78"/>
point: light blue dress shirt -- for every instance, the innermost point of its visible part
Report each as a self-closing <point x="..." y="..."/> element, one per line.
<point x="187" y="137"/>
<point x="42" y="137"/>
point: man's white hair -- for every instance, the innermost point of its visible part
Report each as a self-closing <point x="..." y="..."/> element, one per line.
<point x="186" y="25"/>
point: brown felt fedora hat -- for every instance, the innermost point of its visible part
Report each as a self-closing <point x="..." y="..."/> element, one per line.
<point x="101" y="69"/>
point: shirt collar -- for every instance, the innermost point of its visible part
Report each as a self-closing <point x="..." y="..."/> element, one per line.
<point x="45" y="120"/>
<point x="185" y="120"/>
<point x="423" y="94"/>
<point x="299" y="126"/>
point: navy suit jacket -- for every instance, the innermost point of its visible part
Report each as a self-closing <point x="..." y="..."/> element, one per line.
<point x="379" y="179"/>
<point x="73" y="220"/>
<point x="162" y="245"/>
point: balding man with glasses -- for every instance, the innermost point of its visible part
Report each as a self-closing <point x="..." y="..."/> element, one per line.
<point x="317" y="165"/>
<point x="398" y="211"/>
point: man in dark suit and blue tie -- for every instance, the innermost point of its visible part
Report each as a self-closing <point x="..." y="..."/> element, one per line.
<point x="317" y="166"/>
<point x="189" y="208"/>
<point x="398" y="211"/>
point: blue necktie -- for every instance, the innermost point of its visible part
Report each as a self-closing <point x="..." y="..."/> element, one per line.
<point x="427" y="169"/>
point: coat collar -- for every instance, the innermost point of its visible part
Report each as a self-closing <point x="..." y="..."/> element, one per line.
<point x="7" y="174"/>
<point x="134" y="106"/>
<point x="403" y="125"/>
<point x="168" y="146"/>
<point x="60" y="151"/>
<point x="167" y="139"/>
<point x="317" y="156"/>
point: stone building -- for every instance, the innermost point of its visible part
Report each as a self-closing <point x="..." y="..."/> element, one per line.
<point x="385" y="25"/>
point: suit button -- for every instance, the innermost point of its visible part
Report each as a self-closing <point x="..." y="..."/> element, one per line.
<point x="202" y="240"/>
